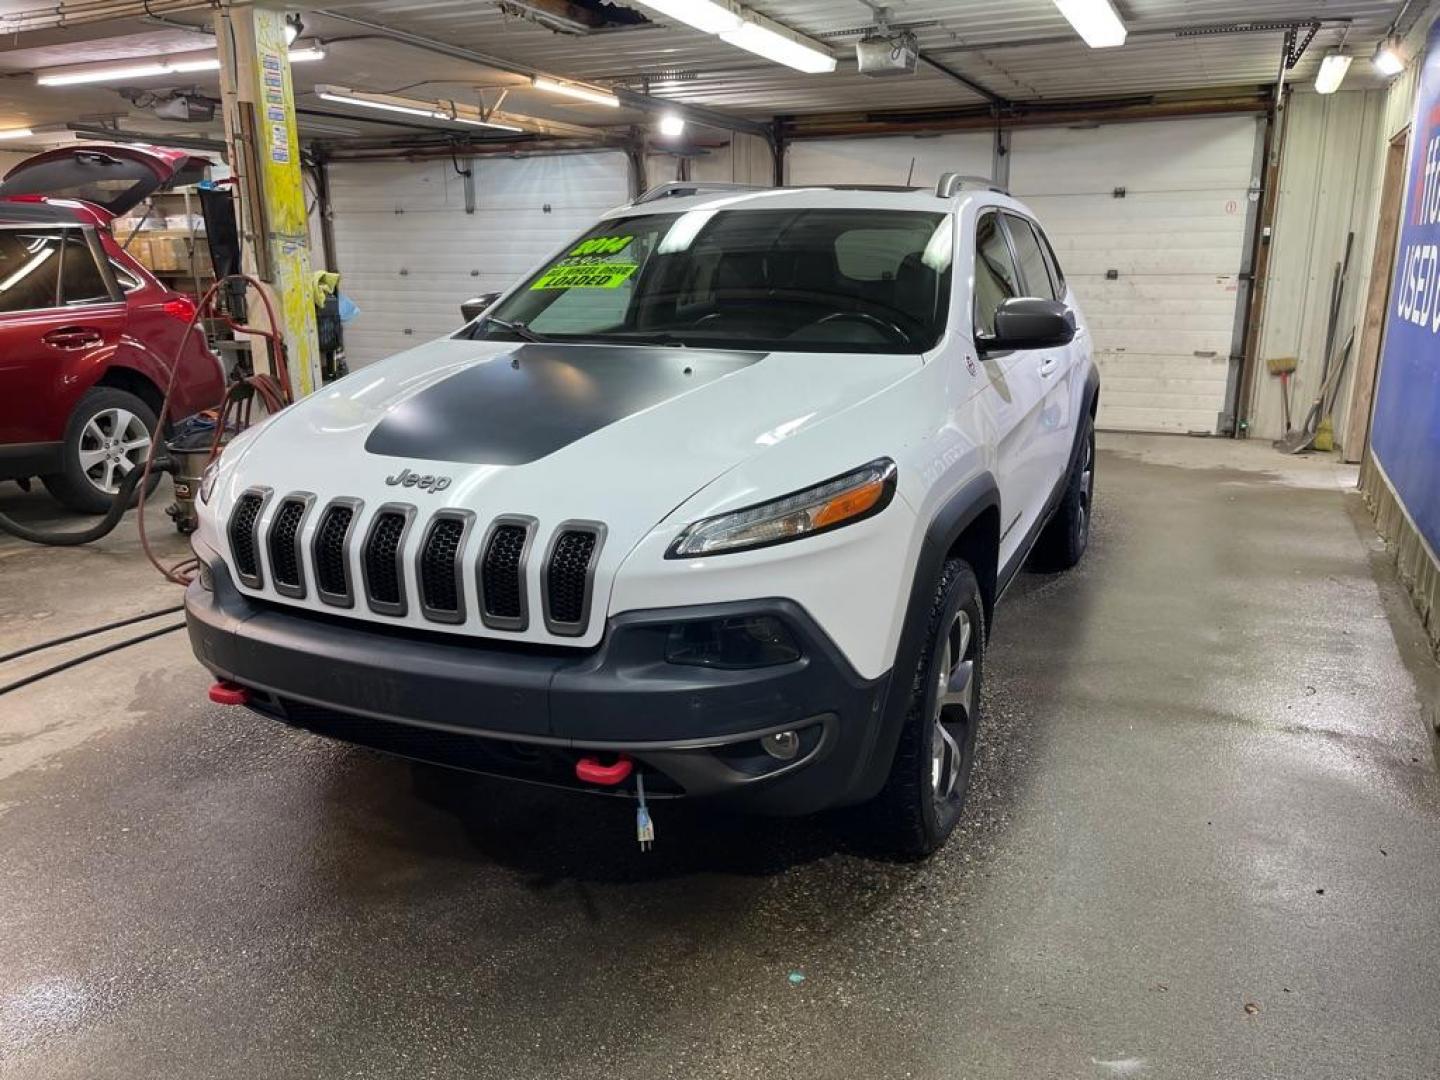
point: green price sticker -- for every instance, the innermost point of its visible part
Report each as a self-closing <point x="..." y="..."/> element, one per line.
<point x="586" y="276"/>
<point x="603" y="245"/>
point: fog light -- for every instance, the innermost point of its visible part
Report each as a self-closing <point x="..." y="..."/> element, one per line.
<point x="742" y="641"/>
<point x="782" y="745"/>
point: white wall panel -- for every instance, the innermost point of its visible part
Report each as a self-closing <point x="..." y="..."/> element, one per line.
<point x="886" y="160"/>
<point x="1330" y="174"/>
<point x="1164" y="325"/>
<point x="409" y="254"/>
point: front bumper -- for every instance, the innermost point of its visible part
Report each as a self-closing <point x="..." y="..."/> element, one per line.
<point x="529" y="712"/>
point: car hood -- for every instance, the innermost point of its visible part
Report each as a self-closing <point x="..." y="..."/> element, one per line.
<point x="620" y="435"/>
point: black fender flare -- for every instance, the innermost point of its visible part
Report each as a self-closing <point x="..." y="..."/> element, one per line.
<point x="962" y="510"/>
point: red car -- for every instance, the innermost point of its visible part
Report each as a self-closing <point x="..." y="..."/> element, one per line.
<point x="87" y="335"/>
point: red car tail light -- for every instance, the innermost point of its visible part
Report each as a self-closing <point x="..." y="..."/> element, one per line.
<point x="181" y="307"/>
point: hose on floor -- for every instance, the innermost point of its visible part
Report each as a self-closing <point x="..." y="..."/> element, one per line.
<point x="94" y="654"/>
<point x="101" y="629"/>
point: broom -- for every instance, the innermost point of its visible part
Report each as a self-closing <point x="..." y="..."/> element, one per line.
<point x="1284" y="366"/>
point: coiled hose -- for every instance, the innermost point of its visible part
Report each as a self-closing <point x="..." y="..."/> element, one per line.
<point x="84" y="536"/>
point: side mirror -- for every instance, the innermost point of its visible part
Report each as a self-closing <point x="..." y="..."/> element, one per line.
<point x="1028" y="322"/>
<point x="472" y="308"/>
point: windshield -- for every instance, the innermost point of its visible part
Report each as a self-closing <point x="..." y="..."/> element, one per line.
<point x="795" y="279"/>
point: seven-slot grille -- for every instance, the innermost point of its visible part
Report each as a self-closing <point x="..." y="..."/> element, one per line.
<point x="502" y="574"/>
<point x="285" y="572"/>
<point x="566" y="575"/>
<point x="331" y="552"/>
<point x="565" y="578"/>
<point x="243" y="524"/>
<point x="384" y="577"/>
<point x="442" y="592"/>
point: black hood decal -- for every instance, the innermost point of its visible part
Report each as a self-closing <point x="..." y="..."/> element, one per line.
<point x="536" y="399"/>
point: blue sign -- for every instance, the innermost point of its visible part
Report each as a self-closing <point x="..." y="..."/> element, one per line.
<point x="1405" y="435"/>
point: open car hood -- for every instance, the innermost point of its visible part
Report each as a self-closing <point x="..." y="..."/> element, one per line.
<point x="112" y="177"/>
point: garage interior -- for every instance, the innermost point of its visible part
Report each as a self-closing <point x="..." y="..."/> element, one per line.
<point x="1203" y="834"/>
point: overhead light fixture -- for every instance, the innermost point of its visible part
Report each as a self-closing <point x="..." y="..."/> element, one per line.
<point x="17" y="133"/>
<point x="707" y="16"/>
<point x="1095" y="21"/>
<point x="1332" y="72"/>
<point x="575" y="90"/>
<point x="430" y="110"/>
<point x="781" y="46"/>
<point x="672" y="125"/>
<point x="293" y="28"/>
<point x="749" y="30"/>
<point x="1389" y="59"/>
<point x="183" y="64"/>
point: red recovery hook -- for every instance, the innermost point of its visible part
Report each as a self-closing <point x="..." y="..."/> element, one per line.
<point x="228" y="693"/>
<point x="591" y="771"/>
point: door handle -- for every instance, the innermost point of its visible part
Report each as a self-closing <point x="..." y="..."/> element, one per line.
<point x="1048" y="366"/>
<point x="74" y="337"/>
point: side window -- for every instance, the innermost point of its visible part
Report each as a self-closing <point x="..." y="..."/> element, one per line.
<point x="996" y="279"/>
<point x="127" y="281"/>
<point x="29" y="269"/>
<point x="1034" y="270"/>
<point x="1055" y="271"/>
<point x="80" y="280"/>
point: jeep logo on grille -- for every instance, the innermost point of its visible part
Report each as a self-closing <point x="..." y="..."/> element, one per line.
<point x="406" y="478"/>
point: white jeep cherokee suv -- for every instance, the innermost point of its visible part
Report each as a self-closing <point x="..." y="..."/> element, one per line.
<point x="721" y="497"/>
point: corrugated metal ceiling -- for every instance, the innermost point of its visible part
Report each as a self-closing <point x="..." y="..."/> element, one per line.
<point x="1021" y="49"/>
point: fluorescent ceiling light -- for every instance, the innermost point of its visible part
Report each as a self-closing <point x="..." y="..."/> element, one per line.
<point x="185" y="67"/>
<point x="16" y="133"/>
<point x="706" y="16"/>
<point x="103" y="73"/>
<point x="1388" y="59"/>
<point x="575" y="90"/>
<point x="348" y="99"/>
<point x="672" y="125"/>
<point x="186" y="64"/>
<point x="782" y="48"/>
<point x="1095" y="21"/>
<point x="1332" y="73"/>
<point x="430" y="110"/>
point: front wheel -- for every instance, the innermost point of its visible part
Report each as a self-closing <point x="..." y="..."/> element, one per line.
<point x="922" y="799"/>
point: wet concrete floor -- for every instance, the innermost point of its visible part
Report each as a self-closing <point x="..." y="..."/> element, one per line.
<point x="1203" y="841"/>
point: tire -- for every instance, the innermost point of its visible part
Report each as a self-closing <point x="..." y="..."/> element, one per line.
<point x="1066" y="536"/>
<point x="925" y="792"/>
<point x="92" y="465"/>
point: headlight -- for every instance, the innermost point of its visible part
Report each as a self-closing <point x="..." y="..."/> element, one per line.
<point x="842" y="501"/>
<point x="207" y="480"/>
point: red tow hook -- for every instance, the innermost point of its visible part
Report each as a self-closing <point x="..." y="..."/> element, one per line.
<point x="229" y="693"/>
<point x="591" y="771"/>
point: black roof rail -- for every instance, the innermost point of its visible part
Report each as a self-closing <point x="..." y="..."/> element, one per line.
<point x="952" y="182"/>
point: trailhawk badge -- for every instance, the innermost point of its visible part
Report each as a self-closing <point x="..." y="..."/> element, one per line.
<point x="406" y="478"/>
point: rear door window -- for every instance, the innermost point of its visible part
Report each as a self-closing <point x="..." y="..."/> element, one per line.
<point x="29" y="269"/>
<point x="1034" y="269"/>
<point x="80" y="279"/>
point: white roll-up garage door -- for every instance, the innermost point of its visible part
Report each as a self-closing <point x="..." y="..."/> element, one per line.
<point x="1148" y="221"/>
<point x="887" y="160"/>
<point x="1161" y="204"/>
<point x="409" y="254"/>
